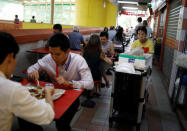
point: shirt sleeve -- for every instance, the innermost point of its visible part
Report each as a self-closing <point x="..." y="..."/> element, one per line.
<point x="134" y="45"/>
<point x="38" y="66"/>
<point x="86" y="80"/>
<point x="151" y="47"/>
<point x="33" y="67"/>
<point x="29" y="108"/>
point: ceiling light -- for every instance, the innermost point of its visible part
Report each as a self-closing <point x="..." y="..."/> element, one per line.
<point x="130" y="8"/>
<point x="128" y="2"/>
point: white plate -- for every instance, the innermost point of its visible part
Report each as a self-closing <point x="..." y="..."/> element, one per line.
<point x="58" y="93"/>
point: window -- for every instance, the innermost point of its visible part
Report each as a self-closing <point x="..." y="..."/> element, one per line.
<point x="40" y="11"/>
<point x="64" y="11"/>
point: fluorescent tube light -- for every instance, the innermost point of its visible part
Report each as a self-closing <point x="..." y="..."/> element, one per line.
<point x="128" y="2"/>
<point x="130" y="8"/>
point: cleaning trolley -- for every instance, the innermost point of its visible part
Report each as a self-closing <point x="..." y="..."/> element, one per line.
<point x="128" y="94"/>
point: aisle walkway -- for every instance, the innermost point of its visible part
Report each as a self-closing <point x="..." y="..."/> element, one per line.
<point x="158" y="116"/>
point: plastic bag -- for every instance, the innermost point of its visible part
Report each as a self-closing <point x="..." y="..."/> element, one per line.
<point x="181" y="61"/>
<point x="136" y="52"/>
<point x="125" y="68"/>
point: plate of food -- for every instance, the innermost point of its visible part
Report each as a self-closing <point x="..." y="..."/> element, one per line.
<point x="36" y="92"/>
<point x="40" y="94"/>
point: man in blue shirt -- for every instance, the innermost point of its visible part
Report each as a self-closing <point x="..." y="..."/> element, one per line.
<point x="76" y="39"/>
<point x="111" y="33"/>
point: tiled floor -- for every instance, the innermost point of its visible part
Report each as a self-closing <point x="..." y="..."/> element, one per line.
<point x="158" y="116"/>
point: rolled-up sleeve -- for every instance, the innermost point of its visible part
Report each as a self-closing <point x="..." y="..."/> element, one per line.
<point x="29" y="108"/>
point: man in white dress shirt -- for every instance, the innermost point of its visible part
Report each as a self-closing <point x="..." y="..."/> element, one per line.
<point x="67" y="69"/>
<point x="14" y="98"/>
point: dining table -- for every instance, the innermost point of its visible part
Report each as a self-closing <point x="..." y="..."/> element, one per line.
<point x="64" y="102"/>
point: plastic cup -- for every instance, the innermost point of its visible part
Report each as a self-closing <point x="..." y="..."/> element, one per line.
<point x="49" y="85"/>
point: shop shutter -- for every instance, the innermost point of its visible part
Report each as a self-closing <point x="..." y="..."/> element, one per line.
<point x="173" y="18"/>
<point x="171" y="32"/>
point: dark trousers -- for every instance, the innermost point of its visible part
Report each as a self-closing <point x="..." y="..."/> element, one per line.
<point x="27" y="126"/>
<point x="62" y="124"/>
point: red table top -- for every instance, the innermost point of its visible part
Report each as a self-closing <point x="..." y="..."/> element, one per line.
<point x="44" y="50"/>
<point x="64" y="102"/>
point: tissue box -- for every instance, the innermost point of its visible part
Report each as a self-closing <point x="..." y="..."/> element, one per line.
<point x="139" y="62"/>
